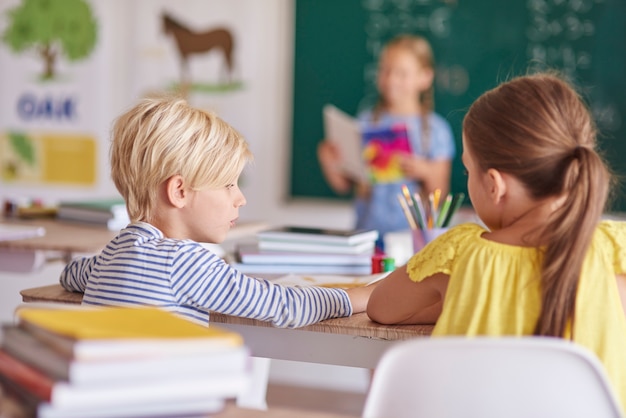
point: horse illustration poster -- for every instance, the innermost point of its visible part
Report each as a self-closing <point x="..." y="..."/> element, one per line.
<point x="49" y="102"/>
<point x="190" y="42"/>
<point x="190" y="45"/>
<point x="198" y="47"/>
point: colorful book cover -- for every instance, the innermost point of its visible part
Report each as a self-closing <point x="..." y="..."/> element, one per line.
<point x="382" y="147"/>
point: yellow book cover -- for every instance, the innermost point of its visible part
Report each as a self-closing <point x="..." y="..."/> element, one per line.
<point x="123" y="331"/>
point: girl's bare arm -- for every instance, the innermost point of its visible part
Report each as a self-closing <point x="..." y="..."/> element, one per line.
<point x="399" y="300"/>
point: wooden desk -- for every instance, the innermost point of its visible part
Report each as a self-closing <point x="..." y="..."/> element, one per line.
<point x="354" y="341"/>
<point x="63" y="237"/>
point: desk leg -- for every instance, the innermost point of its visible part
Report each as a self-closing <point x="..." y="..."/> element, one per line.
<point x="21" y="261"/>
<point x="255" y="396"/>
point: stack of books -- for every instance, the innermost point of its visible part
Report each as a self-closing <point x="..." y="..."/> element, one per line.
<point x="119" y="362"/>
<point x="110" y="213"/>
<point x="293" y="249"/>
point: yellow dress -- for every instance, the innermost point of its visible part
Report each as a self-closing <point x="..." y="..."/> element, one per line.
<point x="494" y="290"/>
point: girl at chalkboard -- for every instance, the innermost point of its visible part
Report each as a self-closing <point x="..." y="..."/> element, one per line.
<point x="403" y="121"/>
<point x="547" y="264"/>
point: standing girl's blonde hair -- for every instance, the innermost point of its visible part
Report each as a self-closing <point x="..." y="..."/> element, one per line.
<point x="537" y="129"/>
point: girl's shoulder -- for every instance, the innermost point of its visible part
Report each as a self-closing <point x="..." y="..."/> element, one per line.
<point x="609" y="240"/>
<point x="366" y="115"/>
<point x="439" y="255"/>
<point x="611" y="233"/>
<point x="438" y="120"/>
<point x="462" y="232"/>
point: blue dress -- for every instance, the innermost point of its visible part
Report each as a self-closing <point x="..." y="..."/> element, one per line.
<point x="381" y="210"/>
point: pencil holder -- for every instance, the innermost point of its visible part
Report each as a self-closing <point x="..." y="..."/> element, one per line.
<point x="423" y="237"/>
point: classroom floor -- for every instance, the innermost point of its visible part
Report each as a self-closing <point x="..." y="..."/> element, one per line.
<point x="314" y="399"/>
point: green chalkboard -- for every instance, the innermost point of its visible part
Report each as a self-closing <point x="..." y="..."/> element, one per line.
<point x="477" y="44"/>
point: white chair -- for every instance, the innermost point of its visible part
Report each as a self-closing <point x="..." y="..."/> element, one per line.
<point x="490" y="378"/>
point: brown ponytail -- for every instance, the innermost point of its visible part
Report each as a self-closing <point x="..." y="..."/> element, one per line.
<point x="568" y="235"/>
<point x="537" y="129"/>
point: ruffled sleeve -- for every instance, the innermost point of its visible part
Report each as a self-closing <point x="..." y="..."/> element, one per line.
<point x="615" y="231"/>
<point x="439" y="255"/>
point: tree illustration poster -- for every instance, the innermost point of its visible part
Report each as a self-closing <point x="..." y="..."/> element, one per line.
<point x="51" y="93"/>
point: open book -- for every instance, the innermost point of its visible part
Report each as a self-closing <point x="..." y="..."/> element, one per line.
<point x="372" y="154"/>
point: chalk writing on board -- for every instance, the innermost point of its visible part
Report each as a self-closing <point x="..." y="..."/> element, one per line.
<point x="557" y="35"/>
<point x="477" y="44"/>
<point x="388" y="18"/>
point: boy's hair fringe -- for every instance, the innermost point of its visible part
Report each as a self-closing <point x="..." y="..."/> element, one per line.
<point x="162" y="136"/>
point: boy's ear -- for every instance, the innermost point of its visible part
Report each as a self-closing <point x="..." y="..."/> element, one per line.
<point x="497" y="185"/>
<point x="176" y="191"/>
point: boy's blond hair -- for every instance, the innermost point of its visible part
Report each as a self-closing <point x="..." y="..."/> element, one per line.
<point x="164" y="136"/>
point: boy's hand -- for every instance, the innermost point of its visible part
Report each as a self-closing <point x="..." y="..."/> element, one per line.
<point x="359" y="296"/>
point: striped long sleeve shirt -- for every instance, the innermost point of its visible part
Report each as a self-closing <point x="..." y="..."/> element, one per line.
<point x="142" y="267"/>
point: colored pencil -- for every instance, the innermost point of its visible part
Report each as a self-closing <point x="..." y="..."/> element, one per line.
<point x="431" y="207"/>
<point x="421" y="212"/>
<point x="436" y="199"/>
<point x="444" y="211"/>
<point x="412" y="203"/>
<point x="407" y="212"/>
<point x="454" y="207"/>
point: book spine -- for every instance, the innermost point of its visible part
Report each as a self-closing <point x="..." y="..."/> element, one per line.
<point x="16" y="401"/>
<point x="34" y="353"/>
<point x="27" y="377"/>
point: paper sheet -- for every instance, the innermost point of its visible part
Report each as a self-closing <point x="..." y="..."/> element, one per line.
<point x="344" y="282"/>
<point x="343" y="131"/>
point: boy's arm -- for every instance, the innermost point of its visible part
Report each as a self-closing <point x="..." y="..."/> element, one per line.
<point x="75" y="275"/>
<point x="207" y="282"/>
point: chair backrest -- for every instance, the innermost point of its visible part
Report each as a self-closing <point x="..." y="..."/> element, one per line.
<point x="490" y="377"/>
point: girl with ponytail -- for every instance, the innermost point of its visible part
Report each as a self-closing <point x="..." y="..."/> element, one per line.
<point x="546" y="264"/>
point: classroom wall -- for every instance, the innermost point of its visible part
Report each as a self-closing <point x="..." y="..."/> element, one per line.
<point x="266" y="181"/>
<point x="261" y="110"/>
